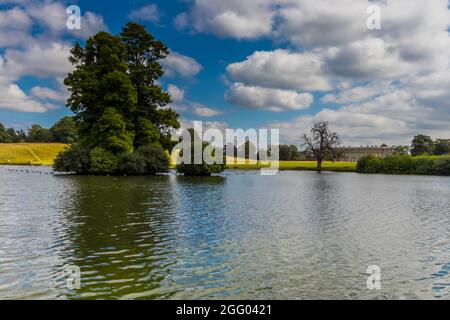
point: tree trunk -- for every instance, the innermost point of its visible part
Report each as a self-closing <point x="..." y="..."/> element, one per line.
<point x="319" y="165"/>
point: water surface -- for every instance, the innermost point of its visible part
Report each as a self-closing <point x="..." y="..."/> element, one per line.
<point x="297" y="235"/>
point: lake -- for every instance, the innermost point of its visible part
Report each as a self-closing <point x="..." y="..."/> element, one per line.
<point x="296" y="235"/>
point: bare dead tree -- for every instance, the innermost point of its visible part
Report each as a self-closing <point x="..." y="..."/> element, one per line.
<point x="322" y="143"/>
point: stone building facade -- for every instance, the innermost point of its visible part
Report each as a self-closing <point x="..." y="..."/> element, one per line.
<point x="353" y="154"/>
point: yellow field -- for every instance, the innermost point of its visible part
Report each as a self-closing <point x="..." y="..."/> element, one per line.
<point x="40" y="154"/>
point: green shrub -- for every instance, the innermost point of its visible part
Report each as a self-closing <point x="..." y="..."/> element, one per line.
<point x="147" y="160"/>
<point x="442" y="166"/>
<point x="405" y="164"/>
<point x="103" y="162"/>
<point x="199" y="169"/>
<point x="132" y="164"/>
<point x="424" y="165"/>
<point x="156" y="160"/>
<point x="203" y="169"/>
<point x="74" y="159"/>
<point x="368" y="164"/>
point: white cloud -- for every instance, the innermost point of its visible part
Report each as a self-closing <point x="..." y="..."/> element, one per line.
<point x="15" y="26"/>
<point x="358" y="93"/>
<point x="91" y="23"/>
<point x="180" y="105"/>
<point x="232" y="18"/>
<point x="178" y="64"/>
<point x="44" y="93"/>
<point x="204" y="111"/>
<point x="195" y="108"/>
<point x="220" y="125"/>
<point x="268" y="99"/>
<point x="13" y="98"/>
<point x="53" y="17"/>
<point x="50" y="60"/>
<point x="149" y="12"/>
<point x="282" y="69"/>
<point x="176" y="93"/>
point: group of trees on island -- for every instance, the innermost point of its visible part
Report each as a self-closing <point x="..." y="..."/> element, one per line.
<point x="124" y="124"/>
<point x="64" y="131"/>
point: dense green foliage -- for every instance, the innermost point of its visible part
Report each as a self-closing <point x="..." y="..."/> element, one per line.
<point x="4" y="135"/>
<point x="441" y="147"/>
<point x="405" y="164"/>
<point x="424" y="145"/>
<point x="38" y="134"/>
<point x="289" y="153"/>
<point x="120" y="111"/>
<point x="65" y="130"/>
<point x="75" y="159"/>
<point x="147" y="160"/>
<point x="401" y="150"/>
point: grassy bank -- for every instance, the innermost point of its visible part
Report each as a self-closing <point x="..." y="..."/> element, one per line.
<point x="38" y="154"/>
<point x="297" y="165"/>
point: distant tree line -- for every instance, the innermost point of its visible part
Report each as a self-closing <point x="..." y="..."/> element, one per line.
<point x="64" y="131"/>
<point x="425" y="145"/>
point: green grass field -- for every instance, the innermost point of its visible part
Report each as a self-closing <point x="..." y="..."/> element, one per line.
<point x="38" y="154"/>
<point x="297" y="165"/>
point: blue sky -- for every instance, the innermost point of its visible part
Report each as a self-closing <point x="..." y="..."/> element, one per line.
<point x="251" y="64"/>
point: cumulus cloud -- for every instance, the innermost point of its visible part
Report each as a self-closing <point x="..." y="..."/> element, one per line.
<point x="268" y="99"/>
<point x="181" y="105"/>
<point x="195" y="108"/>
<point x="176" y="93"/>
<point x="149" y="12"/>
<point x="53" y="17"/>
<point x="282" y="69"/>
<point x="178" y="64"/>
<point x="204" y="111"/>
<point x="14" y="98"/>
<point x="219" y="125"/>
<point x="15" y="24"/>
<point x="232" y="18"/>
<point x="45" y="94"/>
<point x="50" y="60"/>
<point x="357" y="94"/>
